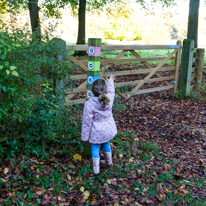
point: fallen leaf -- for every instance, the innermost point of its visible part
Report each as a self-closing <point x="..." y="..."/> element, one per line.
<point x="109" y="181"/>
<point x="86" y="194"/>
<point x="114" y="183"/>
<point x="137" y="204"/>
<point x="82" y="200"/>
<point x="85" y="197"/>
<point x="93" y="201"/>
<point x="145" y="189"/>
<point x="35" y="161"/>
<point x="46" y="200"/>
<point x="160" y="197"/>
<point x="6" y="170"/>
<point x="62" y="191"/>
<point x="66" y="203"/>
<point x="38" y="192"/>
<point x="167" y="167"/>
<point x="77" y="157"/>
<point x="69" y="177"/>
<point x="82" y="189"/>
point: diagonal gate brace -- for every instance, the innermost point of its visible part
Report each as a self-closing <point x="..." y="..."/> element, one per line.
<point x="151" y="73"/>
<point x="146" y="64"/>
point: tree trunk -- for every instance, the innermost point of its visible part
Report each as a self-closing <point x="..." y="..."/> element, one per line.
<point x="81" y="26"/>
<point x="34" y="18"/>
<point x="192" y="32"/>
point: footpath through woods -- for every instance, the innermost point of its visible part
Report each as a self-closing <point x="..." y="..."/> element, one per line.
<point x="159" y="158"/>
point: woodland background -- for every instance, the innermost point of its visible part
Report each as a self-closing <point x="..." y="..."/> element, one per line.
<point x="159" y="151"/>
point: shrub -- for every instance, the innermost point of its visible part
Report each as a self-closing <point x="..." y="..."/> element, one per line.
<point x="199" y="96"/>
<point x="32" y="112"/>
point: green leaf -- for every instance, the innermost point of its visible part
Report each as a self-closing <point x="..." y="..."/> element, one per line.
<point x="6" y="63"/>
<point x="12" y="90"/>
<point x="18" y="45"/>
<point x="12" y="67"/>
<point x="3" y="56"/>
<point x="1" y="67"/>
<point x="4" y="88"/>
<point x="7" y="72"/>
<point x="15" y="73"/>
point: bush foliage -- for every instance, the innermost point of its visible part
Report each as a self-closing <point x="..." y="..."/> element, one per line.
<point x="32" y="112"/>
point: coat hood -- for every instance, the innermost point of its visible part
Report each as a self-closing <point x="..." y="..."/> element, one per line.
<point x="95" y="102"/>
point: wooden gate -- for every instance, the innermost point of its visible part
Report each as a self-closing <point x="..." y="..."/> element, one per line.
<point x="174" y="55"/>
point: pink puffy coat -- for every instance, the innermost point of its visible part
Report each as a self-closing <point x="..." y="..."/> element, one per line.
<point x="98" y="125"/>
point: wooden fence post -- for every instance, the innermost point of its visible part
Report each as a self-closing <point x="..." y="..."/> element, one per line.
<point x="177" y="65"/>
<point x="199" y="68"/>
<point x="186" y="66"/>
<point x="58" y="84"/>
<point x="93" y="73"/>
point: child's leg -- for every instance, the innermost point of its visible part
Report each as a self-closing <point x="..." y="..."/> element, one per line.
<point x="108" y="152"/>
<point x="95" y="150"/>
<point x="95" y="157"/>
<point x="106" y="147"/>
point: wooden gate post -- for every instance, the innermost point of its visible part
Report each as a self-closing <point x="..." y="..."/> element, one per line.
<point x="186" y="66"/>
<point x="93" y="73"/>
<point x="58" y="84"/>
<point x="199" y="68"/>
<point x="177" y="65"/>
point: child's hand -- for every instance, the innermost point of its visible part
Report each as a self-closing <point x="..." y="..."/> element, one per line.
<point x="112" y="77"/>
<point x="82" y="142"/>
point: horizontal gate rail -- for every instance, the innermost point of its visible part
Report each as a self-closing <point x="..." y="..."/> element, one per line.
<point x="156" y="89"/>
<point x="122" y="73"/>
<point x="126" y="83"/>
<point x="113" y="61"/>
<point x="123" y="47"/>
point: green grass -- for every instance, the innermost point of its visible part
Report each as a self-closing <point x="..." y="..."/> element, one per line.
<point x="150" y="146"/>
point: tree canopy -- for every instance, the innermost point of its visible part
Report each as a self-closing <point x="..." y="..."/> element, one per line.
<point x="3" y="6"/>
<point x="52" y="8"/>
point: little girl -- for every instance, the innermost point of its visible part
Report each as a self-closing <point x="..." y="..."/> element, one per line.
<point x="98" y="125"/>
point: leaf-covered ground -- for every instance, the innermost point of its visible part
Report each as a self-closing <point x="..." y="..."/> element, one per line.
<point x="159" y="158"/>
